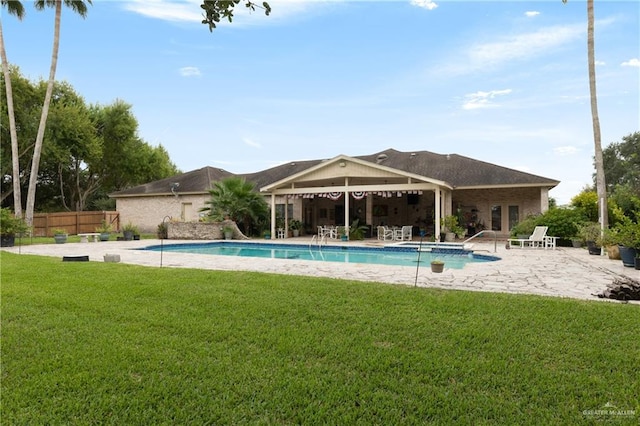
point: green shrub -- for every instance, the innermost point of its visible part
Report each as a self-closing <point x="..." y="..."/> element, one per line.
<point x="10" y="224"/>
<point x="525" y="227"/>
<point x="562" y="222"/>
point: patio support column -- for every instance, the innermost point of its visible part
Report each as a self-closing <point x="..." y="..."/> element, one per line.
<point x="346" y="202"/>
<point x="436" y="211"/>
<point x="273" y="215"/>
<point x="286" y="216"/>
<point x="368" y="209"/>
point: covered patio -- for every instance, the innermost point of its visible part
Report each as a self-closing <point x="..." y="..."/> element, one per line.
<point x="342" y="189"/>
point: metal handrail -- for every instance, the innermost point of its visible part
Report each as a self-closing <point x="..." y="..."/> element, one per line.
<point x="495" y="238"/>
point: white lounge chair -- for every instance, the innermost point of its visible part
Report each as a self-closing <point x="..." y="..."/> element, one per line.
<point x="537" y="239"/>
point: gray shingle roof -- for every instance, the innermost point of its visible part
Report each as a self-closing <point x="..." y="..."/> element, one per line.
<point x="457" y="170"/>
<point x="196" y="181"/>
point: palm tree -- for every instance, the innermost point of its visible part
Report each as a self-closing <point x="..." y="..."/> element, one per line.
<point x="601" y="186"/>
<point x="80" y="7"/>
<point x="236" y="199"/>
<point x="14" y="8"/>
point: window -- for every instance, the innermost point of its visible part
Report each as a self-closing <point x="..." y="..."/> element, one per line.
<point x="280" y="210"/>
<point x="496" y="218"/>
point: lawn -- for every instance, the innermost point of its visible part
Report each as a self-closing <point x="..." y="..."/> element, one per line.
<point x="109" y="343"/>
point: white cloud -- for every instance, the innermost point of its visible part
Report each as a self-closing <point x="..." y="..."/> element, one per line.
<point x="600" y="63"/>
<point x="523" y="46"/>
<point x="635" y="62"/>
<point x="190" y="72"/>
<point x="187" y="11"/>
<point x="482" y="99"/>
<point x="532" y="13"/>
<point x="251" y="142"/>
<point x="427" y="4"/>
<point x="565" y="150"/>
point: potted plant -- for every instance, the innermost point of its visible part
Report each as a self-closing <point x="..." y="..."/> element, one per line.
<point x="60" y="235"/>
<point x="267" y="234"/>
<point x="104" y="229"/>
<point x="451" y="228"/>
<point x="128" y="230"/>
<point x="343" y="232"/>
<point x="227" y="230"/>
<point x="610" y="244"/>
<point x="294" y="227"/>
<point x="437" y="265"/>
<point x="576" y="241"/>
<point x="357" y="231"/>
<point x="627" y="235"/>
<point x="10" y="226"/>
<point x="590" y="232"/>
<point x="162" y="231"/>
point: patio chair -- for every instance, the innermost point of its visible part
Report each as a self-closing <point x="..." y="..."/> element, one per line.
<point x="404" y="233"/>
<point x="537" y="239"/>
<point x="385" y="234"/>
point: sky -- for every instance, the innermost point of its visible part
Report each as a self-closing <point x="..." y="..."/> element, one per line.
<point x="505" y="82"/>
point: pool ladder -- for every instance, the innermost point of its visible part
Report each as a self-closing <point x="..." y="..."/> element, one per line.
<point x="495" y="238"/>
<point x="318" y="241"/>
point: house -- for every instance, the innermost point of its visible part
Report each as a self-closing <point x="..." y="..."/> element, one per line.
<point x="386" y="188"/>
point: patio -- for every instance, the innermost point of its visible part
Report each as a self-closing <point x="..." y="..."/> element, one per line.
<point x="564" y="272"/>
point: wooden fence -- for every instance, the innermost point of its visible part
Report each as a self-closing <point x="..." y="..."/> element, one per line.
<point x="73" y="222"/>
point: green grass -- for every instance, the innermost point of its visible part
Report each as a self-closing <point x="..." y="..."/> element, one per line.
<point x="104" y="343"/>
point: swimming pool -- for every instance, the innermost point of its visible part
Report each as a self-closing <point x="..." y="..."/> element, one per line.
<point x="399" y="256"/>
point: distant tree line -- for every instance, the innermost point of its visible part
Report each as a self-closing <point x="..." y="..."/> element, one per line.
<point x="89" y="150"/>
<point x="622" y="171"/>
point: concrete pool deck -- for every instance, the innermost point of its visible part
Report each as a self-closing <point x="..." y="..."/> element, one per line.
<point x="563" y="272"/>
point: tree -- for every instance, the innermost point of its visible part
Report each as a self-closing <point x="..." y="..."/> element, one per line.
<point x="127" y="160"/>
<point x="622" y="164"/>
<point x="88" y="152"/>
<point x="73" y="152"/>
<point x="80" y="8"/>
<point x="236" y="199"/>
<point x="215" y="10"/>
<point x="14" y="8"/>
<point x="27" y="102"/>
<point x="601" y="186"/>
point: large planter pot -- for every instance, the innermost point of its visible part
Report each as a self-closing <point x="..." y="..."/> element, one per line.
<point x="104" y="236"/>
<point x="437" y="267"/>
<point x="7" y="240"/>
<point x="128" y="235"/>
<point x="593" y="248"/>
<point x="637" y="262"/>
<point x="60" y="238"/>
<point x="628" y="255"/>
<point x="613" y="252"/>
<point x="295" y="232"/>
<point x="449" y="237"/>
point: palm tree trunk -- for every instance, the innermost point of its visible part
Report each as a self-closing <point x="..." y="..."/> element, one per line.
<point x="601" y="186"/>
<point x="15" y="175"/>
<point x="37" y="150"/>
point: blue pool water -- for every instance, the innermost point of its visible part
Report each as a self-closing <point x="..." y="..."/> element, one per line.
<point x="399" y="256"/>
